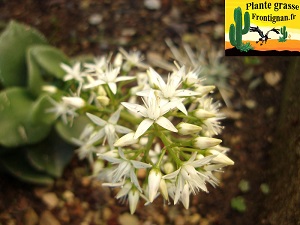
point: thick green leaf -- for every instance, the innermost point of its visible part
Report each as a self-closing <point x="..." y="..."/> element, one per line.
<point x="38" y="111"/>
<point x="17" y="129"/>
<point x="49" y="59"/>
<point x="68" y="132"/>
<point x="14" y="41"/>
<point x="35" y="80"/>
<point x="16" y="163"/>
<point x="51" y="155"/>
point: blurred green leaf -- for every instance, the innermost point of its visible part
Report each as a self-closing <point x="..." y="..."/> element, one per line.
<point x="51" y="155"/>
<point x="35" y="80"/>
<point x="49" y="59"/>
<point x="16" y="163"/>
<point x="17" y="129"/>
<point x="68" y="132"/>
<point x="14" y="41"/>
<point x="38" y="111"/>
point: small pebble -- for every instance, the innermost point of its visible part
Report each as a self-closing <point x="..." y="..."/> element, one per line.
<point x="179" y="220"/>
<point x="152" y="4"/>
<point x="251" y="104"/>
<point x="50" y="199"/>
<point x="30" y="217"/>
<point x="272" y="78"/>
<point x="95" y="19"/>
<point x="107" y="213"/>
<point x="47" y="218"/>
<point x="68" y="196"/>
<point x="126" y="219"/>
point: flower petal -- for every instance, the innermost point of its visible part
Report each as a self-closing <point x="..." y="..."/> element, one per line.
<point x="143" y="127"/>
<point x="165" y="123"/>
<point x="114" y="117"/>
<point x="123" y="78"/>
<point x="156" y="79"/>
<point x="140" y="165"/>
<point x="94" y="84"/>
<point x="122" y="130"/>
<point x="113" y="87"/>
<point x="96" y="120"/>
<point x="171" y="175"/>
<point x="135" y="108"/>
<point x="185" y="93"/>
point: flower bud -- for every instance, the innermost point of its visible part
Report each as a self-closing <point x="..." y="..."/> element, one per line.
<point x="103" y="100"/>
<point x="76" y="102"/>
<point x="118" y="60"/>
<point x="203" y="90"/>
<point x="185" y="196"/>
<point x="187" y="128"/>
<point x="98" y="166"/>
<point x="154" y="179"/>
<point x="220" y="158"/>
<point x="168" y="167"/>
<point x="164" y="189"/>
<point x="203" y="114"/>
<point x="49" y="88"/>
<point x="205" y="142"/>
<point x="125" y="140"/>
<point x="133" y="198"/>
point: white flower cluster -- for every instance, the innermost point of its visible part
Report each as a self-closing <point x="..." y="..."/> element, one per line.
<point x="155" y="134"/>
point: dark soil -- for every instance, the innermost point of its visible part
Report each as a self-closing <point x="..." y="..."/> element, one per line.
<point x="131" y="25"/>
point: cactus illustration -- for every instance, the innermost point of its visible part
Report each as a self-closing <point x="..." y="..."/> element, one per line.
<point x="236" y="32"/>
<point x="284" y="34"/>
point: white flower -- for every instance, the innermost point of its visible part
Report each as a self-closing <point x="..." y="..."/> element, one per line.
<point x="130" y="192"/>
<point x="97" y="67"/>
<point x="126" y="168"/>
<point x="169" y="91"/>
<point x="109" y="128"/>
<point x="205" y="142"/>
<point x="109" y="77"/>
<point x="184" y="196"/>
<point x="153" y="113"/>
<point x="86" y="142"/>
<point x="73" y="73"/>
<point x="211" y="123"/>
<point x="132" y="58"/>
<point x="187" y="174"/>
<point x="62" y="109"/>
<point x="154" y="179"/>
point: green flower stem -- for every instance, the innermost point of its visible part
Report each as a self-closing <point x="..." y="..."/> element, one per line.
<point x="167" y="144"/>
<point x="130" y="118"/>
<point x="147" y="149"/>
<point x="203" y="152"/>
<point x="157" y="165"/>
<point x="110" y="95"/>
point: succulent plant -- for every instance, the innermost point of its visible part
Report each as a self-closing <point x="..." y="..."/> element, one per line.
<point x="31" y="145"/>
